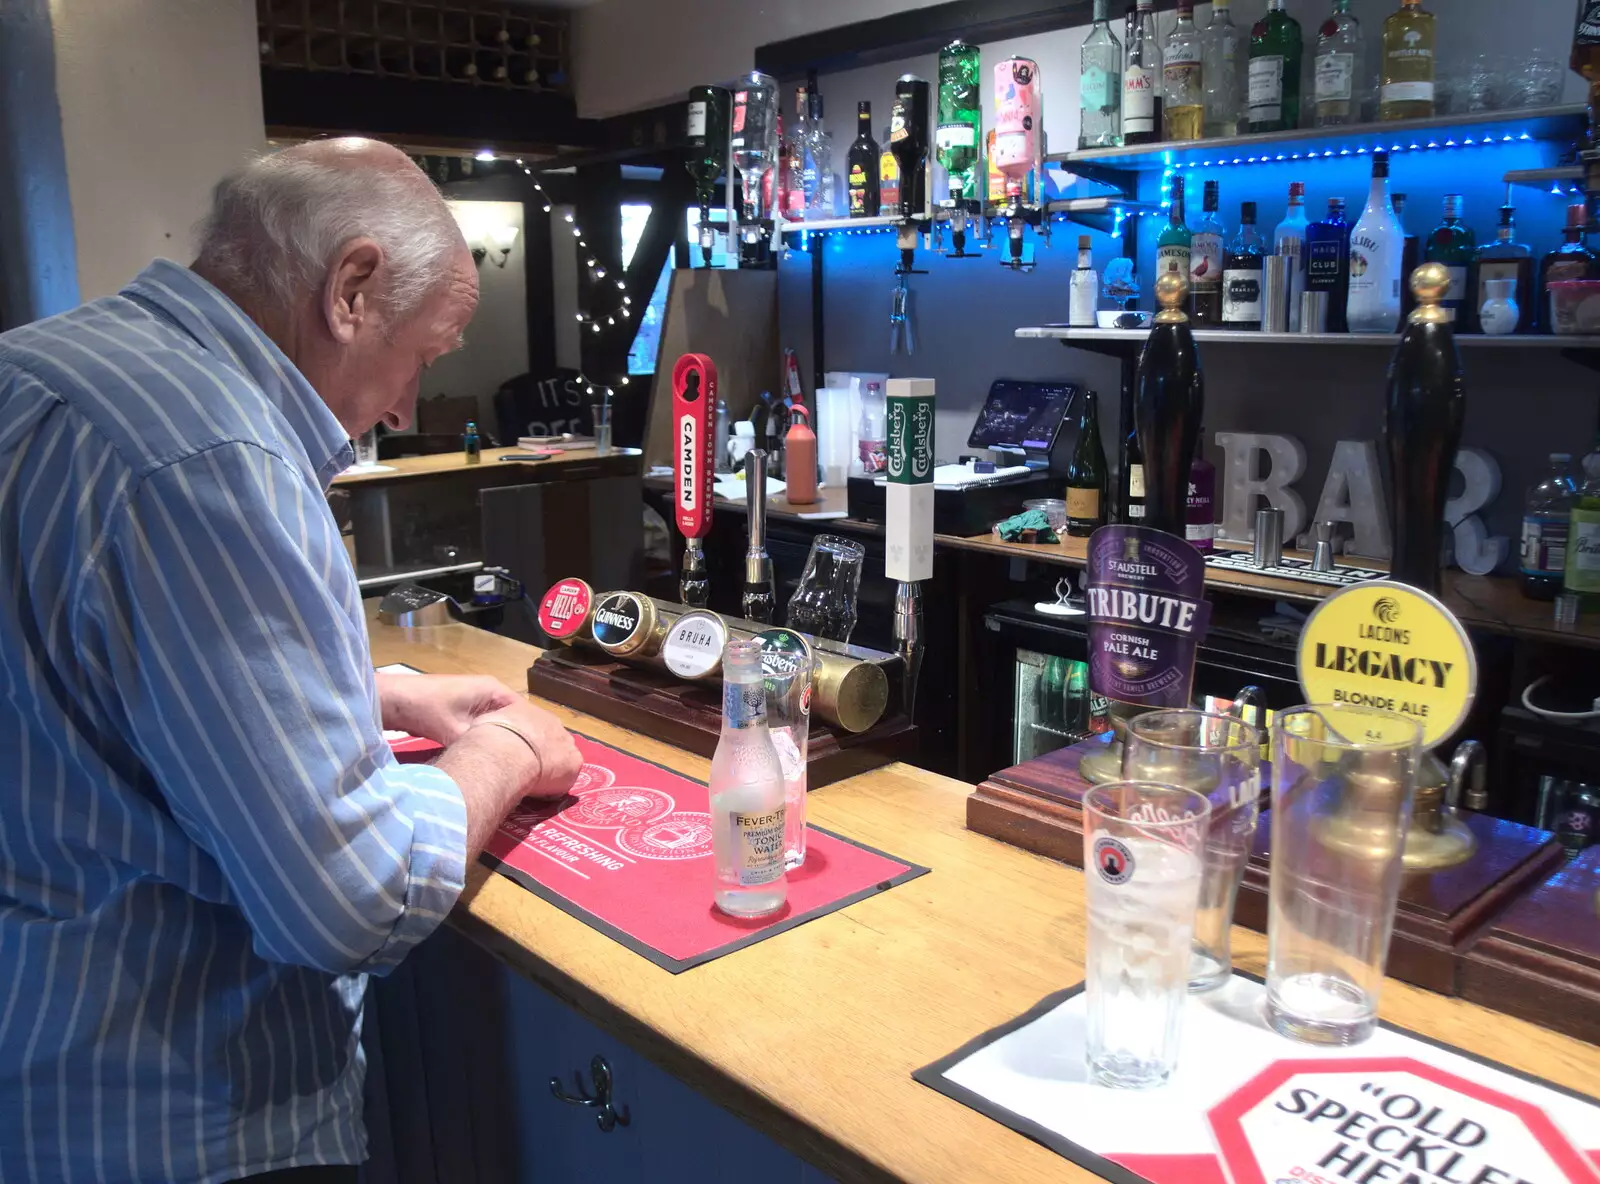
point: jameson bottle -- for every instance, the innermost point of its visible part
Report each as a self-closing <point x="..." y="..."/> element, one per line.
<point x="1205" y="265"/>
<point x="861" y="177"/>
<point x="1275" y="52"/>
<point x="1423" y="413"/>
<point x="1169" y="399"/>
<point x="1172" y="248"/>
<point x="707" y="155"/>
<point x="1241" y="274"/>
<point x="1086" y="474"/>
<point x="1453" y="244"/>
<point x="960" y="119"/>
<point x="1328" y="262"/>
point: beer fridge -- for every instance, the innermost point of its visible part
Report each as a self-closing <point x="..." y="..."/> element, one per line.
<point x="1033" y="664"/>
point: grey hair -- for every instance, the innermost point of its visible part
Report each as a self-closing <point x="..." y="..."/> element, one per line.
<point x="276" y="224"/>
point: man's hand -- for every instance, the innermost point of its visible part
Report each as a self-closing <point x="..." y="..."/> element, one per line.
<point x="440" y="707"/>
<point x="558" y="758"/>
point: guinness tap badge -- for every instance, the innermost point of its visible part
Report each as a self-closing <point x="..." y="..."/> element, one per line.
<point x="624" y="623"/>
<point x="1391" y="646"/>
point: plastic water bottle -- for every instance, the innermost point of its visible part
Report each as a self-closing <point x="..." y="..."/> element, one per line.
<point x="873" y="433"/>
<point x="1546" y="517"/>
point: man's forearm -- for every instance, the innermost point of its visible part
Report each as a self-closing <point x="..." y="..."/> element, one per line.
<point x="491" y="766"/>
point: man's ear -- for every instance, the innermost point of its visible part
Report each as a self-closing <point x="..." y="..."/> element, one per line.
<point x="350" y="290"/>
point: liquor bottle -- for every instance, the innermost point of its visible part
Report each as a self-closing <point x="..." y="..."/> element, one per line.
<point x="1205" y="265"/>
<point x="747" y="793"/>
<point x="1018" y="120"/>
<point x="1132" y="475"/>
<point x="1289" y="239"/>
<point x="888" y="178"/>
<point x="799" y="141"/>
<point x="1201" y="525"/>
<point x="1328" y="262"/>
<point x="1241" y="274"/>
<point x="792" y="200"/>
<point x="1546" y="520"/>
<point x="471" y="444"/>
<point x="1076" y="715"/>
<point x="1086" y="474"/>
<point x="1583" y="544"/>
<point x="960" y="119"/>
<point x="908" y="141"/>
<point x="1453" y="244"/>
<point x="1407" y="87"/>
<point x="1183" y="94"/>
<point x="1275" y="51"/>
<point x="1373" y="303"/>
<point x="1172" y="248"/>
<point x="1585" y="60"/>
<point x="1100" y="84"/>
<point x="1168" y="402"/>
<point x="707" y="154"/>
<point x="1505" y="259"/>
<point x="1572" y="260"/>
<point x="1337" y="68"/>
<point x="1410" y="256"/>
<point x="862" y="165"/>
<point x="1423" y="412"/>
<point x="1084" y="298"/>
<point x="755" y="142"/>
<point x="1141" y="121"/>
<point x="995" y="180"/>
<point x="1222" y="44"/>
<point x="819" y="142"/>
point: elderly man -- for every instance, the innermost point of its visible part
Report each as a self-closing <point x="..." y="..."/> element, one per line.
<point x="205" y="845"/>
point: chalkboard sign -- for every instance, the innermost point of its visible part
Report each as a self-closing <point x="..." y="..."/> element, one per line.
<point x="528" y="406"/>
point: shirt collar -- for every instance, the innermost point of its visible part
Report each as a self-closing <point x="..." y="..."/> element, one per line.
<point x="222" y="329"/>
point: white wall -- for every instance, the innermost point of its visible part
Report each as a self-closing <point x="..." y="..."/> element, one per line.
<point x="158" y="98"/>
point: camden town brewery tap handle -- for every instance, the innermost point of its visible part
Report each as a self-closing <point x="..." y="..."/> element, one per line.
<point x="694" y="403"/>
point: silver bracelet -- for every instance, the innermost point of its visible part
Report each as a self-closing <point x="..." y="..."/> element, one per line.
<point x="520" y="735"/>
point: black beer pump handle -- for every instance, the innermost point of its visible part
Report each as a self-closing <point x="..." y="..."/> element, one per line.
<point x="1169" y="402"/>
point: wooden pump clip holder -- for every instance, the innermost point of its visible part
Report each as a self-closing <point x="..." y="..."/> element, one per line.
<point x="694" y="403"/>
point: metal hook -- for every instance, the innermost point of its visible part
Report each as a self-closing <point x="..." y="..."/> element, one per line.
<point x="608" y="1116"/>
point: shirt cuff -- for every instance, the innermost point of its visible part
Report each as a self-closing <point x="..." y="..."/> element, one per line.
<point x="438" y="867"/>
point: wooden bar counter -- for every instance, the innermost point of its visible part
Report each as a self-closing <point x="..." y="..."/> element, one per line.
<point x="811" y="1036"/>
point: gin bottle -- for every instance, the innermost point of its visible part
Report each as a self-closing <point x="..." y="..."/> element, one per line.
<point x="1338" y="68"/>
<point x="819" y="160"/>
<point x="1275" y="52"/>
<point x="1289" y="239"/>
<point x="1141" y="117"/>
<point x="747" y="793"/>
<point x="1453" y="244"/>
<point x="1100" y="84"/>
<point x="1182" y="85"/>
<point x="1407" y="91"/>
<point x="1222" y="45"/>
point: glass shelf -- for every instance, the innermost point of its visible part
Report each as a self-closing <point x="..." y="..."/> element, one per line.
<point x="1442" y="131"/>
<point x="1136" y="337"/>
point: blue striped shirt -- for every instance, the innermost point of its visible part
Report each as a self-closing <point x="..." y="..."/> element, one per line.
<point x="205" y="844"/>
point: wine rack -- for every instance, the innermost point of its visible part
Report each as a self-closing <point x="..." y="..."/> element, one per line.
<point x="475" y="44"/>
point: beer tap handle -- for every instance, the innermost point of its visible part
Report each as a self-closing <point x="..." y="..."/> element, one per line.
<point x="760" y="598"/>
<point x="694" y="409"/>
<point x="1469" y="777"/>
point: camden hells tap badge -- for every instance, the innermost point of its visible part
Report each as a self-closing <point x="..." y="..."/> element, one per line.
<point x="1147" y="615"/>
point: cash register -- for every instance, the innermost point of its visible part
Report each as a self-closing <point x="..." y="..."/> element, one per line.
<point x="1025" y="425"/>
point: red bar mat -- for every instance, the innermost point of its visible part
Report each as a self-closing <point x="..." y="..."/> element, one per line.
<point x="628" y="852"/>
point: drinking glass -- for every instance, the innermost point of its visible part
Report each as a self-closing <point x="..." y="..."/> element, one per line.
<point x="1218" y="756"/>
<point x="789" y="723"/>
<point x="1144" y="847"/>
<point x="1342" y="784"/>
<point x="824" y="602"/>
<point x="1536" y="83"/>
<point x="602" y="428"/>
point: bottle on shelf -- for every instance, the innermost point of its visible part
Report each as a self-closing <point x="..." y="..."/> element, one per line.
<point x="1582" y="574"/>
<point x="793" y="188"/>
<point x="1100" y="84"/>
<point x="1453" y="244"/>
<point x="799" y="140"/>
<point x="960" y="125"/>
<point x="1505" y="259"/>
<point x="755" y="144"/>
<point x="1289" y="239"/>
<point x="908" y="141"/>
<point x="1241" y="274"/>
<point x="707" y="155"/>
<point x="1572" y="260"/>
<point x="1546" y="519"/>
<point x="1275" y="53"/>
<point x="1373" y="302"/>
<point x="861" y="178"/>
<point x="471" y="444"/>
<point x="1132" y="480"/>
<point x="1406" y="89"/>
<point x="1328" y="262"/>
<point x="1337" y="68"/>
<point x="1206" y="264"/>
<point x="1410" y="256"/>
<point x="1585" y="61"/>
<point x="995" y="180"/>
<point x="888" y="178"/>
<point x="819" y="142"/>
<point x="1141" y="99"/>
<point x="747" y="793"/>
<point x="1183" y="93"/>
<point x="1201" y="527"/>
<point x="1084" y="298"/>
<point x="1222" y="44"/>
<point x="1172" y="248"/>
<point x="1086" y="474"/>
<point x="1077" y="706"/>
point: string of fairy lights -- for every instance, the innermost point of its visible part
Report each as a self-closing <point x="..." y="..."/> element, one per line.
<point x="597" y="320"/>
